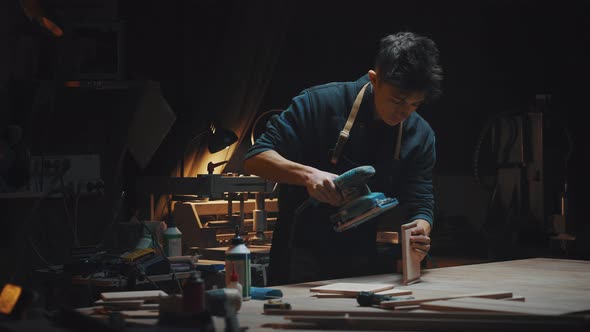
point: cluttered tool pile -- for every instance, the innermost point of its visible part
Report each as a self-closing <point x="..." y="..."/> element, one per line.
<point x="194" y="308"/>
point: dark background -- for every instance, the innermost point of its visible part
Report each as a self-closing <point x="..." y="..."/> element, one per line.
<point x="219" y="60"/>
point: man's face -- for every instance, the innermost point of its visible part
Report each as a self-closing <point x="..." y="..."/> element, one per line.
<point x="394" y="105"/>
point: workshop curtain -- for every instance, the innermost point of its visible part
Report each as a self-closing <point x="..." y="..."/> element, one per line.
<point x="215" y="62"/>
<point x="244" y="66"/>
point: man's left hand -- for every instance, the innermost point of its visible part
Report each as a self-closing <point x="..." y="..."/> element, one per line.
<point x="419" y="240"/>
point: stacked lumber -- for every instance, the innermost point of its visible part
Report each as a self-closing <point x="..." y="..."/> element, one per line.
<point x="133" y="306"/>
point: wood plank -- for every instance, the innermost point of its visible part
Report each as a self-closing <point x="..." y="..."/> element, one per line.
<point x="418" y="314"/>
<point x="140" y="313"/>
<point x="441" y="323"/>
<point x="492" y="295"/>
<point x="515" y="298"/>
<point x="490" y="305"/>
<point x="410" y="259"/>
<point x="350" y="288"/>
<point x="133" y="295"/>
<point x="508" y="306"/>
<point x="121" y="304"/>
<point x="391" y="292"/>
<point x="395" y="292"/>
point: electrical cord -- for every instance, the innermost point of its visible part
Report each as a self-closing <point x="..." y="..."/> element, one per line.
<point x="70" y="221"/>
<point x="20" y="254"/>
<point x="41" y="257"/>
<point x="482" y="135"/>
<point x="116" y="213"/>
<point x="164" y="207"/>
<point x="76" y="205"/>
<point x="434" y="264"/>
<point x="189" y="145"/>
<point x="261" y="116"/>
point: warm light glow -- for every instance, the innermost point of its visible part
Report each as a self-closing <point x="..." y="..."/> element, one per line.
<point x="33" y="10"/>
<point x="9" y="297"/>
<point x="72" y="84"/>
<point x="49" y="25"/>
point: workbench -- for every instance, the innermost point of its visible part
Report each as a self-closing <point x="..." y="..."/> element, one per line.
<point x="561" y="284"/>
<point x="558" y="285"/>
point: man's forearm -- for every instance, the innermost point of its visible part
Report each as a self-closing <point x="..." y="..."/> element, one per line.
<point x="274" y="167"/>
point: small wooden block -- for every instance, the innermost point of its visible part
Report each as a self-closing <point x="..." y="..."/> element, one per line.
<point x="387" y="237"/>
<point x="352" y="289"/>
<point x="410" y="259"/>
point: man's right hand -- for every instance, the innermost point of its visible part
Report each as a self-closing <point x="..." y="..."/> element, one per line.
<point x="320" y="186"/>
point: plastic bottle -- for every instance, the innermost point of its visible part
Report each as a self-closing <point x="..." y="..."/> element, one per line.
<point x="193" y="293"/>
<point x="237" y="257"/>
<point x="173" y="240"/>
<point x="234" y="281"/>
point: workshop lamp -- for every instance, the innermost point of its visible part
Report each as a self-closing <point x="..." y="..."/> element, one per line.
<point x="217" y="139"/>
<point x="220" y="138"/>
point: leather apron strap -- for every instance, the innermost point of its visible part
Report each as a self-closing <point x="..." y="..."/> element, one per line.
<point x="345" y="132"/>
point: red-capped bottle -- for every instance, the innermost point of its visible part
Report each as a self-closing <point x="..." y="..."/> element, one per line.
<point x="234" y="281"/>
<point x="193" y="294"/>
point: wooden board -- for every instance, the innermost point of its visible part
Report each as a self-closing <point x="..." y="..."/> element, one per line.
<point x="492" y="305"/>
<point x="140" y="313"/>
<point x="490" y="295"/>
<point x="388" y="237"/>
<point x="132" y="295"/>
<point x="440" y="323"/>
<point x="410" y="259"/>
<point x="417" y="314"/>
<point x="350" y="288"/>
<point x="395" y="292"/>
<point x="121" y="305"/>
<point x="392" y="292"/>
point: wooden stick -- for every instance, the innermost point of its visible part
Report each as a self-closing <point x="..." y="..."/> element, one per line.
<point x="489" y="295"/>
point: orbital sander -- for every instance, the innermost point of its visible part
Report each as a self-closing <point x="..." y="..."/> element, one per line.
<point x="360" y="203"/>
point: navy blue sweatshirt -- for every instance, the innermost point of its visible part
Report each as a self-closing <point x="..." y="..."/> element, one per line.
<point x="306" y="133"/>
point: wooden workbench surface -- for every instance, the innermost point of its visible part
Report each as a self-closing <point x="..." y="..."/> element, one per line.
<point x="562" y="284"/>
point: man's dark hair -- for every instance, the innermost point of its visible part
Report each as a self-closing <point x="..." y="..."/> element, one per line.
<point x="410" y="62"/>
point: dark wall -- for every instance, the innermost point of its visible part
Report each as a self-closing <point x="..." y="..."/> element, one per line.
<point x="497" y="56"/>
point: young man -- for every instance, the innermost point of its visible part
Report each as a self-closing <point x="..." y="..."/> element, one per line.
<point x="297" y="150"/>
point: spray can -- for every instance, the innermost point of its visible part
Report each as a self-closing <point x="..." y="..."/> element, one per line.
<point x="172" y="240"/>
<point x="237" y="257"/>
